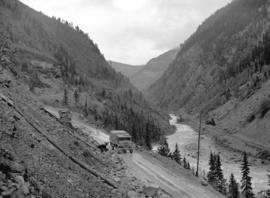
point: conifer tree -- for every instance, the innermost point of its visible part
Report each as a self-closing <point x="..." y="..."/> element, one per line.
<point x="134" y="133"/>
<point x="176" y="156"/>
<point x="268" y="191"/>
<point x="233" y="188"/>
<point x="147" y="136"/>
<point x="185" y="163"/>
<point x="220" y="185"/>
<point x="85" y="109"/>
<point x="246" y="185"/>
<point x="188" y="166"/>
<point x="211" y="173"/>
<point x="116" y="123"/>
<point x="163" y="149"/>
<point x="65" y="97"/>
<point x="76" y="96"/>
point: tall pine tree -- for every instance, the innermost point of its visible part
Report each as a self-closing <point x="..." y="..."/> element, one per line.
<point x="65" y="97"/>
<point x="233" y="188"/>
<point x="268" y="191"/>
<point x="246" y="185"/>
<point x="176" y="156"/>
<point x="147" y="136"/>
<point x="85" y="109"/>
<point x="185" y="163"/>
<point x="211" y="172"/>
<point x="220" y="181"/>
<point x="76" y="96"/>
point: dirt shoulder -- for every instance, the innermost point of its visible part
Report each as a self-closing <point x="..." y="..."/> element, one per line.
<point x="156" y="170"/>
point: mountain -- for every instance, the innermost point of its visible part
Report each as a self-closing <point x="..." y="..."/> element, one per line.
<point x="48" y="62"/>
<point x="125" y="69"/>
<point x="223" y="71"/>
<point x="63" y="67"/>
<point x="153" y="70"/>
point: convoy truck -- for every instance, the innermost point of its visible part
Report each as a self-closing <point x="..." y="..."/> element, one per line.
<point x="121" y="140"/>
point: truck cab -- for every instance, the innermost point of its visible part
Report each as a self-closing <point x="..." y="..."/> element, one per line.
<point x="121" y="140"/>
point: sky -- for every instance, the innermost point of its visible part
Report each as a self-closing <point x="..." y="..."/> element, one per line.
<point x="132" y="31"/>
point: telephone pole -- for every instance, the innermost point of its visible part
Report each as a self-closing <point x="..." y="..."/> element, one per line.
<point x="199" y="141"/>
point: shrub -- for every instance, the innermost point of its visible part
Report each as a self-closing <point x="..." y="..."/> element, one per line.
<point x="250" y="118"/>
<point x="264" y="107"/>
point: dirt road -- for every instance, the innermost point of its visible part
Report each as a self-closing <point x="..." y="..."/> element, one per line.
<point x="153" y="171"/>
<point x="176" y="181"/>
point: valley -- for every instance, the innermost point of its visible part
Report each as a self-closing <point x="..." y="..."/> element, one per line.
<point x="51" y="68"/>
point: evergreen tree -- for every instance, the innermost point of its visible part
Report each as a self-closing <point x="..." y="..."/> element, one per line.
<point x="116" y="123"/>
<point x="147" y="136"/>
<point x="246" y="186"/>
<point x="134" y="133"/>
<point x="184" y="162"/>
<point x="65" y="97"/>
<point x="76" y="96"/>
<point x="221" y="183"/>
<point x="163" y="149"/>
<point x="188" y="166"/>
<point x="211" y="173"/>
<point x="233" y="188"/>
<point x="176" y="156"/>
<point x="85" y="109"/>
<point x="268" y="191"/>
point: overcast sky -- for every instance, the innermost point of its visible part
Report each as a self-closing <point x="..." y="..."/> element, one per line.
<point x="132" y="31"/>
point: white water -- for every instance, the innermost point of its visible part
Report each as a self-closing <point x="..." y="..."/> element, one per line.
<point x="187" y="138"/>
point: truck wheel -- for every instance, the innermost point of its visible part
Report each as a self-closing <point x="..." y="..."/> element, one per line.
<point x="131" y="150"/>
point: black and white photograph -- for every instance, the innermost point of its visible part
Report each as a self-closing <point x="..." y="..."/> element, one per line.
<point x="134" y="98"/>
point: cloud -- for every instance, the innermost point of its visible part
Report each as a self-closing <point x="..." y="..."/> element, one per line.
<point x="132" y="31"/>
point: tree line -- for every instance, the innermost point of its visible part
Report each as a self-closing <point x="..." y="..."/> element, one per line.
<point x="215" y="176"/>
<point x="120" y="112"/>
<point x="232" y="189"/>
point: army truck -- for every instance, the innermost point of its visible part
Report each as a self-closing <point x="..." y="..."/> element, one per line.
<point x="121" y="140"/>
<point x="65" y="117"/>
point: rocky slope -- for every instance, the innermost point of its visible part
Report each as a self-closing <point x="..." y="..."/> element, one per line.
<point x="223" y="70"/>
<point x="40" y="157"/>
<point x="125" y="69"/>
<point x="153" y="70"/>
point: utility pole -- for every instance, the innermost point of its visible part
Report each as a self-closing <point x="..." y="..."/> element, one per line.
<point x="199" y="141"/>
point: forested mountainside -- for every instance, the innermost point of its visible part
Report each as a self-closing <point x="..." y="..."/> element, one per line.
<point x="63" y="67"/>
<point x="223" y="69"/>
<point x="153" y="70"/>
<point x="125" y="69"/>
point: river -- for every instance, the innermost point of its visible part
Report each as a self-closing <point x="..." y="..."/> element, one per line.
<point x="187" y="138"/>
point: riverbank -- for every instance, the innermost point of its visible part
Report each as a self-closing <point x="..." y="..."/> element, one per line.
<point x="187" y="138"/>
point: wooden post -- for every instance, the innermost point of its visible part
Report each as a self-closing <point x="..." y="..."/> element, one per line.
<point x="199" y="141"/>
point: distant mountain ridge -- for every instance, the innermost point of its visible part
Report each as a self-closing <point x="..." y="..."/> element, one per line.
<point x="126" y="69"/>
<point x="153" y="70"/>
